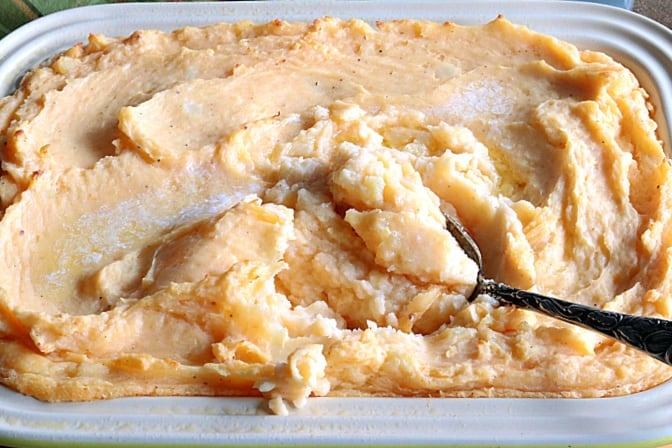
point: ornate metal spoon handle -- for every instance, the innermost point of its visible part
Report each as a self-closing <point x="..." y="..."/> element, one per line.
<point x="650" y="335"/>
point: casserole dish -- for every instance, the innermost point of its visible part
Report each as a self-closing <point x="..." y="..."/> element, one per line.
<point x="641" y="418"/>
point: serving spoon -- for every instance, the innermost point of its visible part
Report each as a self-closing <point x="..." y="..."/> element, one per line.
<point x="650" y="335"/>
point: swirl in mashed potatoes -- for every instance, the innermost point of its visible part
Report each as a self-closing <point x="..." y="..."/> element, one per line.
<point x="257" y="209"/>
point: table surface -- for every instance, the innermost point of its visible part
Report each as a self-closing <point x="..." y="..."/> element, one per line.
<point x="659" y="10"/>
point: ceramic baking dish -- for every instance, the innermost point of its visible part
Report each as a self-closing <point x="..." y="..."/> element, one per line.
<point x="643" y="419"/>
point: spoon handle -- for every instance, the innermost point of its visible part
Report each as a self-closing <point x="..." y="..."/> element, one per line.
<point x="650" y="335"/>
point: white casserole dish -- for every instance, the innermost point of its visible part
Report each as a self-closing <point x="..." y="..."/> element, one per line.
<point x="643" y="419"/>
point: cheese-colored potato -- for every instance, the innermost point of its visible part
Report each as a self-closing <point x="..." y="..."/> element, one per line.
<point x="248" y="209"/>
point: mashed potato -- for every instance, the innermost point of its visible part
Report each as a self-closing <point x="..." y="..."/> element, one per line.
<point x="258" y="209"/>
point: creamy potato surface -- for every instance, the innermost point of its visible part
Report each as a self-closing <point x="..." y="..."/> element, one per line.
<point x="258" y="209"/>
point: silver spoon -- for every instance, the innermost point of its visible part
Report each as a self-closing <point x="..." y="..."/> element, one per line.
<point x="647" y="334"/>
